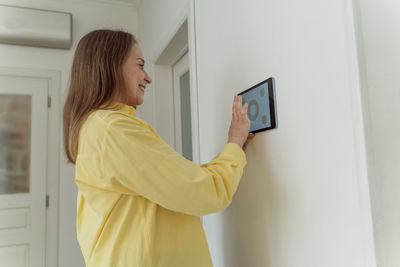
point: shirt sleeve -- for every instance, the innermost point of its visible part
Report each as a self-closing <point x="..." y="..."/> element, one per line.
<point x="134" y="157"/>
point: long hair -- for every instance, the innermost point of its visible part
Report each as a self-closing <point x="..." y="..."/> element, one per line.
<point x="96" y="79"/>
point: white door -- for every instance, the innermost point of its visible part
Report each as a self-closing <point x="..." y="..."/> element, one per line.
<point x="23" y="157"/>
<point x="182" y="108"/>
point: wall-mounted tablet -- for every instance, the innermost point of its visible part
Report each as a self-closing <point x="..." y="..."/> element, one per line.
<point x="261" y="109"/>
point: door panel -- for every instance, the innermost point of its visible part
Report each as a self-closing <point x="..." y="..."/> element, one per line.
<point x="23" y="157"/>
<point x="182" y="107"/>
<point x="186" y="115"/>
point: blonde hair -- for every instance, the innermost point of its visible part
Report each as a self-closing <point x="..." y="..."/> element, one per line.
<point x="96" y="79"/>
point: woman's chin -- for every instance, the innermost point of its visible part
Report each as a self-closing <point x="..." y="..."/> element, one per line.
<point x="139" y="102"/>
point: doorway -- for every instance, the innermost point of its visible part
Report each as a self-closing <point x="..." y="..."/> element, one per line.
<point x="175" y="94"/>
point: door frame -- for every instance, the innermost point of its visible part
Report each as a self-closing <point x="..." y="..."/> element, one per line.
<point x="179" y="68"/>
<point x="53" y="79"/>
<point x="181" y="38"/>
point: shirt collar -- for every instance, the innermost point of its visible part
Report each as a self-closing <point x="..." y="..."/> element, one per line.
<point x="114" y="105"/>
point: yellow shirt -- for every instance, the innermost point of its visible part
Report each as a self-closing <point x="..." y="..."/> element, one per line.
<point x="139" y="201"/>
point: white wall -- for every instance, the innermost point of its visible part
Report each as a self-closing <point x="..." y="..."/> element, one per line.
<point x="87" y="16"/>
<point x="299" y="201"/>
<point x="156" y="19"/>
<point x="304" y="198"/>
<point x="379" y="42"/>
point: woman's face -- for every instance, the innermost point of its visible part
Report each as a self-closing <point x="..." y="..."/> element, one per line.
<point x="135" y="77"/>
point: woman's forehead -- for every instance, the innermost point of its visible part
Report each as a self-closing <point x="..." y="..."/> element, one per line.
<point x="136" y="51"/>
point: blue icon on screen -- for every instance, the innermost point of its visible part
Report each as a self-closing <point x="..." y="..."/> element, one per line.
<point x="258" y="107"/>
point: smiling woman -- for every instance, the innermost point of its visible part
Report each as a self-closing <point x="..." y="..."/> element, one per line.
<point x="139" y="201"/>
<point x="96" y="73"/>
<point x="135" y="77"/>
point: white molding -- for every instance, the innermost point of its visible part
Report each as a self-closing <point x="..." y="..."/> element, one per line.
<point x="180" y="54"/>
<point x="53" y="78"/>
<point x="180" y="67"/>
<point x="360" y="131"/>
<point x="193" y="81"/>
<point x="133" y="3"/>
<point x="38" y="3"/>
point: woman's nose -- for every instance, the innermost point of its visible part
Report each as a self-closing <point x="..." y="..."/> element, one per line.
<point x="147" y="78"/>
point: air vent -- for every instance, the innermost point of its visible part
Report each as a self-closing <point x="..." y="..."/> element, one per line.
<point x="34" y="27"/>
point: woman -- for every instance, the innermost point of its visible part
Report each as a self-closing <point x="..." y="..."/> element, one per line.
<point x="139" y="201"/>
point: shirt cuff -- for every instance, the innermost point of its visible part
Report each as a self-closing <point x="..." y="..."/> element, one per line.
<point x="236" y="151"/>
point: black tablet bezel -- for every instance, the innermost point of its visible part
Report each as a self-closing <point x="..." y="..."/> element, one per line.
<point x="271" y="93"/>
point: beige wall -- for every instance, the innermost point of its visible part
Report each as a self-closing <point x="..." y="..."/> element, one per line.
<point x="87" y="16"/>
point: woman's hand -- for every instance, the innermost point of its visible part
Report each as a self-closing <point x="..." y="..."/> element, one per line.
<point x="240" y="124"/>
<point x="249" y="137"/>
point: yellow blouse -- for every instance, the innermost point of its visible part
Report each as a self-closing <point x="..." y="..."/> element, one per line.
<point x="139" y="201"/>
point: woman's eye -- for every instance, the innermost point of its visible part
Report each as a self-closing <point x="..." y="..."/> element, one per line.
<point x="141" y="65"/>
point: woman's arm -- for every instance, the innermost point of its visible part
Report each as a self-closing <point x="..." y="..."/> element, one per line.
<point x="135" y="160"/>
<point x="135" y="157"/>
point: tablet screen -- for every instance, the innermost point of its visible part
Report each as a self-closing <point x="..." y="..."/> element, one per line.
<point x="261" y="109"/>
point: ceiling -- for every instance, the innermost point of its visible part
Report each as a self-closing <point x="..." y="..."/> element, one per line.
<point x="132" y="3"/>
<point x="135" y="3"/>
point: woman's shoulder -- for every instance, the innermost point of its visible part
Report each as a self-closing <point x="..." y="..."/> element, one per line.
<point x="104" y="124"/>
<point x="97" y="124"/>
<point x="109" y="117"/>
<point x="103" y="120"/>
